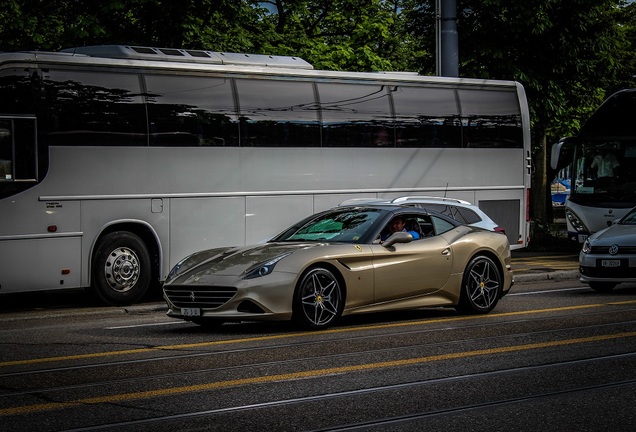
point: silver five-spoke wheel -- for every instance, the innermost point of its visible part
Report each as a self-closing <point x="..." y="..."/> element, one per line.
<point x="481" y="286"/>
<point x="318" y="301"/>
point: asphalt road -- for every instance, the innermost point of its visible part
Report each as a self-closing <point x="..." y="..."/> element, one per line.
<point x="554" y="355"/>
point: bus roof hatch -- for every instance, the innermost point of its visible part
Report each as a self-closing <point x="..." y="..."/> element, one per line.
<point x="190" y="56"/>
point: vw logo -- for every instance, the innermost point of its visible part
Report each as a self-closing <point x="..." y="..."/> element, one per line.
<point x="613" y="250"/>
<point x="192" y="298"/>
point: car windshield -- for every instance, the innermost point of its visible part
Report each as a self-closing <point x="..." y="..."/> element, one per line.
<point x="630" y="218"/>
<point x="348" y="226"/>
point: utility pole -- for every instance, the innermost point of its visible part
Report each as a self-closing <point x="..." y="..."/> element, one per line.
<point x="446" y="38"/>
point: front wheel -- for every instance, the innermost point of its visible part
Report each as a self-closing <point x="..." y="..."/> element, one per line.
<point x="481" y="286"/>
<point x="319" y="299"/>
<point x="122" y="269"/>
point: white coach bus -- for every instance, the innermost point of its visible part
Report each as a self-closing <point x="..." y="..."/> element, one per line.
<point x="118" y="161"/>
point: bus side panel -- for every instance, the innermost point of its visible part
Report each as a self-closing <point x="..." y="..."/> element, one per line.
<point x="39" y="243"/>
<point x="39" y="264"/>
<point x="267" y="216"/>
<point x="204" y="223"/>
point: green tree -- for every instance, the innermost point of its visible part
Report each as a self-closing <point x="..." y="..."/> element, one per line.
<point x="567" y="54"/>
<point x="355" y="35"/>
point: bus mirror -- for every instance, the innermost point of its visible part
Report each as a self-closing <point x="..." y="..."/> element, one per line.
<point x="554" y="156"/>
<point x="562" y="153"/>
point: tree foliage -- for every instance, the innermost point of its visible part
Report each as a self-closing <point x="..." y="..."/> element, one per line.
<point x="568" y="54"/>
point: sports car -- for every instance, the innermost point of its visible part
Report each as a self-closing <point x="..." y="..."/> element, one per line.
<point x="345" y="261"/>
<point x="608" y="256"/>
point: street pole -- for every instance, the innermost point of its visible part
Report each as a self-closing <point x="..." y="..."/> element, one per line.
<point x="447" y="57"/>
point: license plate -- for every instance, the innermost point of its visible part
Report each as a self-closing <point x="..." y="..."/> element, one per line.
<point x="610" y="263"/>
<point x="190" y="312"/>
<point x="582" y="238"/>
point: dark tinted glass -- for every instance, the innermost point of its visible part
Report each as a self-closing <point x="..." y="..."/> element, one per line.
<point x="469" y="215"/>
<point x="426" y="117"/>
<point x="278" y="113"/>
<point x="614" y="118"/>
<point x="16" y="92"/>
<point x="491" y="119"/>
<point x="92" y="108"/>
<point x="191" y="111"/>
<point x="356" y="115"/>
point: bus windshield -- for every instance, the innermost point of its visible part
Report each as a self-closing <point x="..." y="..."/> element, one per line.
<point x="604" y="172"/>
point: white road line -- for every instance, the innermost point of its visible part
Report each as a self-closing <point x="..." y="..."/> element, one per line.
<point x="145" y="325"/>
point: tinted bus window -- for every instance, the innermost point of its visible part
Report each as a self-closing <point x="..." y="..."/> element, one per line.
<point x="356" y="115"/>
<point x="92" y="108"/>
<point x="426" y="117"/>
<point x="16" y="92"/>
<point x="491" y="119"/>
<point x="191" y="111"/>
<point x="278" y="113"/>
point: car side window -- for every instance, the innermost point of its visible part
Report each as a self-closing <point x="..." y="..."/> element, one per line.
<point x="468" y="215"/>
<point x="440" y="225"/>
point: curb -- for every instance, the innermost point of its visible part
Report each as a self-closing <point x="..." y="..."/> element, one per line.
<point x="556" y="275"/>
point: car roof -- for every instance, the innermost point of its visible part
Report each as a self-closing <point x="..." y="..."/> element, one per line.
<point x="405" y="200"/>
<point x="398" y="209"/>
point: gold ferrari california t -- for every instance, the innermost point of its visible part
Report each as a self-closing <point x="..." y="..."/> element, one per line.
<point x="344" y="261"/>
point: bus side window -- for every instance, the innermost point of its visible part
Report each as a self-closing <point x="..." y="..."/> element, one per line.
<point x="191" y="111"/>
<point x="6" y="156"/>
<point x="356" y="115"/>
<point x="89" y="108"/>
<point x="278" y="113"/>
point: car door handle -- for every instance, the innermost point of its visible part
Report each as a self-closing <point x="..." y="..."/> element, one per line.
<point x="446" y="252"/>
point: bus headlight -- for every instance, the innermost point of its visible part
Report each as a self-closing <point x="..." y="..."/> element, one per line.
<point x="575" y="221"/>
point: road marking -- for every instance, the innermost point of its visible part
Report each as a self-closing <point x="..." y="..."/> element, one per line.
<point x="146" y="325"/>
<point x="301" y="334"/>
<point x="116" y="398"/>
<point x="548" y="291"/>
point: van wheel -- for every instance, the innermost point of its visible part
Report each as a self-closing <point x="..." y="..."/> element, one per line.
<point x="122" y="269"/>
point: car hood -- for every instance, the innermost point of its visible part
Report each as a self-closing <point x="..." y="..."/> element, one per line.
<point x="619" y="234"/>
<point x="235" y="261"/>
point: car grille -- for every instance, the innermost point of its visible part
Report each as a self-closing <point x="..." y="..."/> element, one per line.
<point x="208" y="297"/>
<point x="623" y="250"/>
<point x="610" y="273"/>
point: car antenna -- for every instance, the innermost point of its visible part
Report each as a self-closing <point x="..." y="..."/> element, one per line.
<point x="446" y="190"/>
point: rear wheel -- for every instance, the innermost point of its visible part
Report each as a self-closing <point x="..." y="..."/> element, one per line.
<point x="603" y="287"/>
<point x="481" y="286"/>
<point x="319" y="299"/>
<point x="122" y="269"/>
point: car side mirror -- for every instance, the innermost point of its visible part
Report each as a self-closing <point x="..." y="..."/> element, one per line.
<point x="398" y="237"/>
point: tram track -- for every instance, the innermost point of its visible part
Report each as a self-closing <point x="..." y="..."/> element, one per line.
<point x="352" y="358"/>
<point x="277" y="363"/>
<point x="154" y="422"/>
<point x="354" y="338"/>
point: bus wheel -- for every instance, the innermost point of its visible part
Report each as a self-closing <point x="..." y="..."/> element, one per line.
<point x="121" y="269"/>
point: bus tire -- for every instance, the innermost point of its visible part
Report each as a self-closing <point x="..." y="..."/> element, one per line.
<point x="122" y="269"/>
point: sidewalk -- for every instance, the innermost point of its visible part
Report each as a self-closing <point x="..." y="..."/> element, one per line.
<point x="536" y="266"/>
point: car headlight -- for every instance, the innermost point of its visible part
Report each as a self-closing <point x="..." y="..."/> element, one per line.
<point x="177" y="269"/>
<point x="263" y="269"/>
<point x="587" y="247"/>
